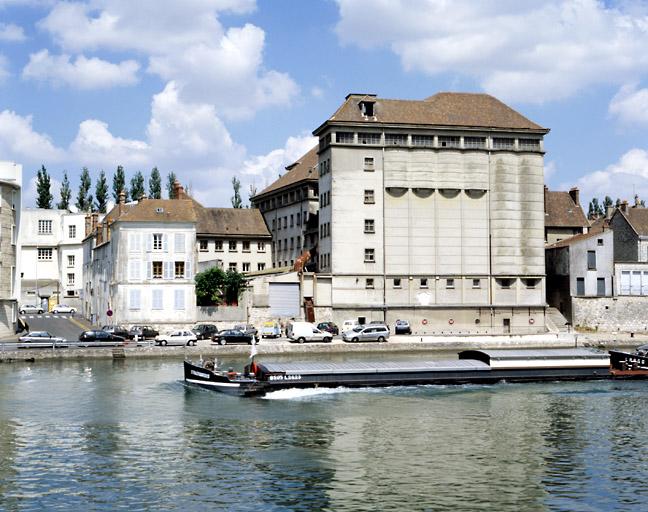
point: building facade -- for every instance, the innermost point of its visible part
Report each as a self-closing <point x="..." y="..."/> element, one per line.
<point x="52" y="257"/>
<point x="290" y="208"/>
<point x="564" y="216"/>
<point x="10" y="216"/>
<point x="433" y="211"/>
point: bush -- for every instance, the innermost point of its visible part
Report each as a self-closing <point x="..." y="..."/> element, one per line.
<point x="214" y="287"/>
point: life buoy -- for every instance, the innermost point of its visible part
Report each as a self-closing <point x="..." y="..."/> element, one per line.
<point x="531" y="321"/>
<point x="451" y="321"/>
<point x="424" y="321"/>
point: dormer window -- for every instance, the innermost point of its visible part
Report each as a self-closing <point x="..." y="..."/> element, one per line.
<point x="367" y="108"/>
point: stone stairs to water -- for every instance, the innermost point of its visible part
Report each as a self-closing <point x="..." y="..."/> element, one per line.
<point x="556" y="322"/>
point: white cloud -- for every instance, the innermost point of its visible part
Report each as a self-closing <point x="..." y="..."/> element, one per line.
<point x="184" y="43"/>
<point x="11" y="33"/>
<point x="82" y="73"/>
<point x="630" y="105"/>
<point x="30" y="192"/>
<point x="622" y="179"/>
<point x="519" y="51"/>
<point x="19" y="141"/>
<point x="549" y="170"/>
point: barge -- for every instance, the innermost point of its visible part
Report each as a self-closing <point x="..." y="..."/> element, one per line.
<point x="472" y="367"/>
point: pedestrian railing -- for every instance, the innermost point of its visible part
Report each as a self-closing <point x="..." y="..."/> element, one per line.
<point x="56" y="345"/>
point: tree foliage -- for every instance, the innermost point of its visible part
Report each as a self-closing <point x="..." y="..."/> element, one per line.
<point x="84" y="198"/>
<point x="137" y="189"/>
<point x="45" y="197"/>
<point x="237" y="202"/>
<point x="155" y="184"/>
<point x="119" y="183"/>
<point x="101" y="193"/>
<point x="66" y="193"/>
<point x="171" y="179"/>
<point x="214" y="286"/>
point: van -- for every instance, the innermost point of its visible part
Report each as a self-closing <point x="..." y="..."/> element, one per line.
<point x="270" y="330"/>
<point x="349" y="325"/>
<point x="305" y="331"/>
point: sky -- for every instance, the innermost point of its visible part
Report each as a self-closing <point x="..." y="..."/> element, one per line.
<point x="212" y="89"/>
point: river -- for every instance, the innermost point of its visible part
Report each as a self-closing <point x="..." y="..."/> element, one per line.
<point x="104" y="435"/>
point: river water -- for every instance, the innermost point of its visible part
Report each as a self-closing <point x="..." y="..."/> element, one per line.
<point x="104" y="435"/>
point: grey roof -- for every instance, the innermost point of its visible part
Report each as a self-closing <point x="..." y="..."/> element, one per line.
<point x="561" y="211"/>
<point x="549" y="353"/>
<point x="228" y="222"/>
<point x="318" y="368"/>
<point x="637" y="218"/>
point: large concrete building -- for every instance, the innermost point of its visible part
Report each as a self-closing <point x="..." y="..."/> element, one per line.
<point x="433" y="211"/>
<point x="10" y="206"/>
<point x="51" y="257"/>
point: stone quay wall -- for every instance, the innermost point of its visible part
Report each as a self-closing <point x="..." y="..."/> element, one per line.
<point x="611" y="314"/>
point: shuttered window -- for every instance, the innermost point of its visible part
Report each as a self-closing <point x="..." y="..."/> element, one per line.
<point x="157" y="299"/>
<point x="179" y="242"/>
<point x="134" y="302"/>
<point x="179" y="299"/>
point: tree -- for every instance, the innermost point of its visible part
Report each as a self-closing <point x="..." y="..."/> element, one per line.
<point x="101" y="193"/>
<point x="84" y="198"/>
<point x="66" y="193"/>
<point x="237" y="202"/>
<point x="43" y="189"/>
<point x="119" y="184"/>
<point x="137" y="186"/>
<point x="607" y="203"/>
<point x="155" y="184"/>
<point x="595" y="209"/>
<point x="171" y="179"/>
<point x="214" y="286"/>
<point x="234" y="286"/>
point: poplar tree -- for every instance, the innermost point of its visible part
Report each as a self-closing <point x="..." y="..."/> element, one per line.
<point x="237" y="202"/>
<point x="66" y="193"/>
<point x="101" y="194"/>
<point x="84" y="198"/>
<point x="171" y="179"/>
<point x="43" y="189"/>
<point x="119" y="184"/>
<point x="137" y="189"/>
<point x="155" y="184"/>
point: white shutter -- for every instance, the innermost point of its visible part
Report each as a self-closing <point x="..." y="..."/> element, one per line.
<point x="168" y="270"/>
<point x="179" y="242"/>
<point x="635" y="283"/>
<point x="138" y="241"/>
<point x="157" y="299"/>
<point x="179" y="299"/>
<point x="134" y="267"/>
<point x="149" y="270"/>
<point x="644" y="283"/>
<point x="625" y="282"/>
<point x="134" y="302"/>
<point x="149" y="242"/>
<point x="165" y="243"/>
<point x="188" y="269"/>
<point x="132" y="244"/>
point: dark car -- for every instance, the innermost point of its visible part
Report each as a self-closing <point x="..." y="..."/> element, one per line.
<point x="402" y="327"/>
<point x="143" y="332"/>
<point x="329" y="327"/>
<point x="98" y="335"/>
<point x="205" y="331"/>
<point x="118" y="330"/>
<point x="232" y="336"/>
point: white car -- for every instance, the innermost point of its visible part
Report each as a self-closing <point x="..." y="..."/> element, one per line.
<point x="179" y="337"/>
<point x="63" y="308"/>
<point x="30" y="308"/>
<point x="40" y="336"/>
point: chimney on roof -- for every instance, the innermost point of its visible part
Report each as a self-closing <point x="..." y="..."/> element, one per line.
<point x="637" y="201"/>
<point x="88" y="224"/>
<point x="574" y="193"/>
<point x="624" y="206"/>
<point x="608" y="212"/>
<point x="121" y="199"/>
<point x="142" y="197"/>
<point x="178" y="191"/>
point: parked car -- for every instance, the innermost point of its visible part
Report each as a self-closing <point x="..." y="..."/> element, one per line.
<point x="40" y="336"/>
<point x="118" y="330"/>
<point x="371" y="332"/>
<point x="271" y="330"/>
<point x="204" y="331"/>
<point x="349" y="325"/>
<point x="379" y="322"/>
<point x="248" y="329"/>
<point x="63" y="308"/>
<point x="232" y="336"/>
<point x="329" y="327"/>
<point x="179" y="337"/>
<point x="98" y="335"/>
<point x="402" y="327"/>
<point x="31" y="308"/>
<point x="143" y="332"/>
<point x="305" y="331"/>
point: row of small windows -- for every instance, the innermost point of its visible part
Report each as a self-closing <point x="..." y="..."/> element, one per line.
<point x="432" y="141"/>
<point x="325" y="230"/>
<point x="325" y="199"/>
<point x="45" y="228"/>
<point x="157" y="299"/>
<point x="232" y="246"/>
<point x="245" y="266"/>
<point x="288" y="198"/>
<point x="324" y="261"/>
<point x="450" y="283"/>
<point x="283" y="244"/>
<point x="324" y="167"/>
<point x="277" y="223"/>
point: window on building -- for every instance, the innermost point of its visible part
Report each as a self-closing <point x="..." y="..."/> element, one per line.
<point x="156" y="269"/>
<point x="134" y="302"/>
<point x="395" y="139"/>
<point x="179" y="269"/>
<point x="503" y="143"/>
<point x="600" y="286"/>
<point x="369" y="283"/>
<point x="70" y="260"/>
<point x="72" y="231"/>
<point x="44" y="227"/>
<point x="292" y="243"/>
<point x="532" y="282"/>
<point x="474" y="142"/>
<point x="218" y="245"/>
<point x="232" y="266"/>
<point x="450" y="283"/>
<point x="274" y="224"/>
<point x="368" y="138"/>
<point x="344" y="137"/>
<point x="246" y="267"/>
<point x="529" y="144"/>
<point x="449" y="141"/>
<point x="599" y="241"/>
<point x="580" y="286"/>
<point x="260" y="246"/>
<point x="204" y="245"/>
<point x="179" y="299"/>
<point x="246" y="246"/>
<point x="232" y="246"/>
<point x="423" y="140"/>
<point x="299" y="219"/>
<point x="505" y="283"/>
<point x="157" y="301"/>
<point x="369" y="255"/>
<point x="424" y="283"/>
<point x="591" y="260"/>
<point x="368" y="163"/>
<point x="70" y="279"/>
<point x="157" y="241"/>
<point x="397" y="282"/>
<point x="179" y="242"/>
<point x="476" y="283"/>
<point x="45" y="254"/>
<point x="292" y="220"/>
<point x="369" y="226"/>
<point x="369" y="197"/>
<point x="260" y="266"/>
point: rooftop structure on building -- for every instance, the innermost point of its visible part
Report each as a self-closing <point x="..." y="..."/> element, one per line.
<point x="564" y="216"/>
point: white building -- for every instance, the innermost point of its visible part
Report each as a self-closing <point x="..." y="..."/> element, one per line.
<point x="139" y="264"/>
<point x="10" y="213"/>
<point x="51" y="257"/>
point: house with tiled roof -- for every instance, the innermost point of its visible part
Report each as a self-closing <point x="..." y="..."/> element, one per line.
<point x="290" y="207"/>
<point x="564" y="216"/>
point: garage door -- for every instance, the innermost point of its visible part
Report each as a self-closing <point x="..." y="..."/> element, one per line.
<point x="284" y="299"/>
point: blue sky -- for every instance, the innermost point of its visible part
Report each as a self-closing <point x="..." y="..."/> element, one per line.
<point x="210" y="89"/>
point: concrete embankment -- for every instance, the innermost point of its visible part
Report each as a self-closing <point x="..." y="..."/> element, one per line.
<point x="396" y="344"/>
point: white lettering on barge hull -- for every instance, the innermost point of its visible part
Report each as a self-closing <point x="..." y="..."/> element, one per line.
<point x="200" y="374"/>
<point x="284" y="377"/>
